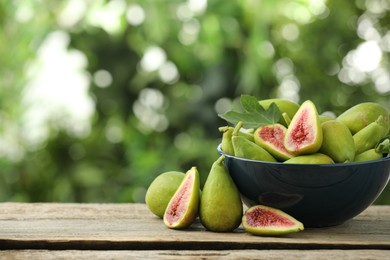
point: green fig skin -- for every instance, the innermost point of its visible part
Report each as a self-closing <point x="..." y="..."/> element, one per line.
<point x="226" y="143"/>
<point x="248" y="134"/>
<point x="183" y="207"/>
<point x="361" y="115"/>
<point x="384" y="146"/>
<point x="368" y="155"/>
<point x="243" y="148"/>
<point x="316" y="158"/>
<point x="304" y="134"/>
<point x="286" y="118"/>
<point x="161" y="190"/>
<point x="284" y="105"/>
<point x="337" y="142"/>
<point x="267" y="221"/>
<point x="220" y="203"/>
<point x="370" y="135"/>
<point x="324" y="118"/>
<point x="227" y="132"/>
<point x="271" y="138"/>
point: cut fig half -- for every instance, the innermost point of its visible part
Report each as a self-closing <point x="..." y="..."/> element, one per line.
<point x="267" y="221"/>
<point x="271" y="138"/>
<point x="183" y="207"/>
<point x="304" y="134"/>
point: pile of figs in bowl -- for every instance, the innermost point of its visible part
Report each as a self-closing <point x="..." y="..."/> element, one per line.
<point x="323" y="170"/>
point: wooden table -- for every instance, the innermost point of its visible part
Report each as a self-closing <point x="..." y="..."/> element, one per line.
<point x="130" y="231"/>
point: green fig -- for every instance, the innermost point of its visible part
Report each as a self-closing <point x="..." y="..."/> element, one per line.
<point x="384" y="146"/>
<point x="183" y="207"/>
<point x="226" y="143"/>
<point x="370" y="135"/>
<point x="227" y="132"/>
<point x="304" y="134"/>
<point x="243" y="148"/>
<point x="324" y="118"/>
<point x="284" y="105"/>
<point x="315" y="158"/>
<point x="161" y="190"/>
<point x="363" y="114"/>
<point x="286" y="118"/>
<point x="267" y="221"/>
<point x="368" y="155"/>
<point x="220" y="203"/>
<point x="247" y="133"/>
<point x="271" y="138"/>
<point x="337" y="142"/>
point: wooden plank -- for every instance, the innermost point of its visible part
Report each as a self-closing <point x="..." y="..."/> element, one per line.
<point x="132" y="226"/>
<point x="192" y="254"/>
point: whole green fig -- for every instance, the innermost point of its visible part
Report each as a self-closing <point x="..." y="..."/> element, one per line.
<point x="363" y="114"/>
<point x="220" y="203"/>
<point x="315" y="158"/>
<point x="368" y="155"/>
<point x="337" y="141"/>
<point x="370" y="135"/>
<point x="161" y="190"/>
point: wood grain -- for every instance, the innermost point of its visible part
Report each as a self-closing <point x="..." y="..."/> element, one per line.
<point x="192" y="254"/>
<point x="133" y="227"/>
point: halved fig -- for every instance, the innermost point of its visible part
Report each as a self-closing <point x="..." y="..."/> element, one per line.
<point x="183" y="207"/>
<point x="271" y="138"/>
<point x="304" y="134"/>
<point x="263" y="220"/>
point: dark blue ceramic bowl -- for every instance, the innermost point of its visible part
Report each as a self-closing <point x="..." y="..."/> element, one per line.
<point x="318" y="195"/>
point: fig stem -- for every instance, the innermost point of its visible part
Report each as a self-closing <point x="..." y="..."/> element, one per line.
<point x="220" y="159"/>
<point x="237" y="128"/>
<point x="383" y="147"/>
<point x="223" y="129"/>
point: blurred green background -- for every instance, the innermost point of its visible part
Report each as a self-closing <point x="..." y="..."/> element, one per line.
<point x="99" y="97"/>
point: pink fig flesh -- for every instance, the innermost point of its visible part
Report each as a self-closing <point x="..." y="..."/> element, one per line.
<point x="183" y="207"/>
<point x="271" y="138"/>
<point x="263" y="220"/>
<point x="304" y="134"/>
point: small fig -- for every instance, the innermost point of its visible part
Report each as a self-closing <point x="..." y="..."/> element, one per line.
<point x="220" y="203"/>
<point x="227" y="132"/>
<point x="161" y="190"/>
<point x="243" y="148"/>
<point x="384" y="146"/>
<point x="337" y="142"/>
<point x="315" y="158"/>
<point x="284" y="105"/>
<point x="363" y="114"/>
<point x="368" y="155"/>
<point x="183" y="207"/>
<point x="226" y="143"/>
<point x="370" y="135"/>
<point x="324" y="118"/>
<point x="263" y="220"/>
<point x="304" y="134"/>
<point x="271" y="138"/>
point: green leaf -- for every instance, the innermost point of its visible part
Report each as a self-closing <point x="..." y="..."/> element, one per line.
<point x="254" y="114"/>
<point x="250" y="104"/>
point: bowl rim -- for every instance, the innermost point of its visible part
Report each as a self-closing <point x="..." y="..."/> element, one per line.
<point x="333" y="165"/>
